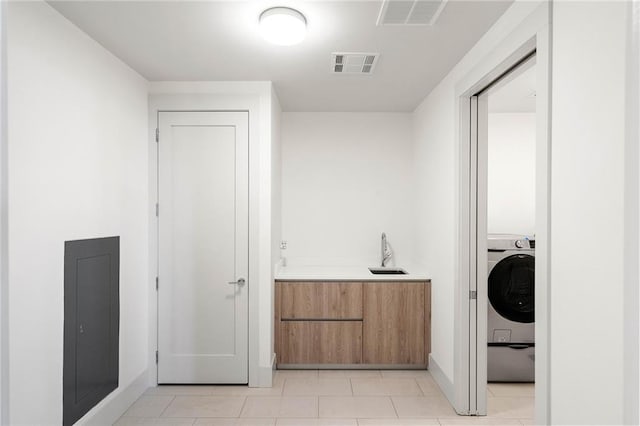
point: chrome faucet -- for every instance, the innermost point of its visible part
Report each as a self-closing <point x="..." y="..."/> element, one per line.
<point x="385" y="253"/>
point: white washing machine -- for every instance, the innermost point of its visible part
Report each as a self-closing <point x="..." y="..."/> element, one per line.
<point x="511" y="313"/>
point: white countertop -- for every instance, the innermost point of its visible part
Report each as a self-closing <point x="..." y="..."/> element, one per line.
<point x="345" y="273"/>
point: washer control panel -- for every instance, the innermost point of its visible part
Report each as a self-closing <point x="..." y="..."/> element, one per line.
<point x="503" y="242"/>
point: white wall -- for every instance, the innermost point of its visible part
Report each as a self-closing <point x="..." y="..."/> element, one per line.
<point x="511" y="198"/>
<point x="435" y="169"/>
<point x="77" y="169"/>
<point x="265" y="236"/>
<point x="276" y="195"/>
<point x="436" y="165"/>
<point x="346" y="178"/>
<point x="587" y="203"/>
<point x="587" y="211"/>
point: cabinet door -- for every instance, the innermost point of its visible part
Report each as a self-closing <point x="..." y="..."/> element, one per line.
<point x="394" y="323"/>
<point x="320" y="342"/>
<point x="320" y="300"/>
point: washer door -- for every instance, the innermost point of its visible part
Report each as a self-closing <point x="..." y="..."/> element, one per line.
<point x="512" y="288"/>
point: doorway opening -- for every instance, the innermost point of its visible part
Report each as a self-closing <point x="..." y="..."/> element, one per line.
<point x="502" y="236"/>
<point x="506" y="196"/>
<point x="502" y="318"/>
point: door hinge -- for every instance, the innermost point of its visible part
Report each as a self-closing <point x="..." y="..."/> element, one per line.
<point x="157" y="209"/>
<point x="157" y="134"/>
<point x="157" y="283"/>
<point x="156" y="357"/>
<point x="473" y="294"/>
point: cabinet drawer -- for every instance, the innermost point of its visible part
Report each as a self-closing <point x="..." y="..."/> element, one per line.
<point x="318" y="300"/>
<point x="320" y="342"/>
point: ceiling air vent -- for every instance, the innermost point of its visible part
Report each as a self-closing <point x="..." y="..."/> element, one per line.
<point x="353" y="63"/>
<point x="410" y="12"/>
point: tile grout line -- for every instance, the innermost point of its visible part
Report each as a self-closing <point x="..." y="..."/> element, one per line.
<point x="131" y="406"/>
<point x="394" y="407"/>
<point x="165" y="408"/>
<point x="489" y="391"/>
<point x="419" y="387"/>
<point x="243" y="405"/>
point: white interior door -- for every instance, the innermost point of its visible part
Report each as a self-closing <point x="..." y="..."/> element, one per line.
<point x="203" y="247"/>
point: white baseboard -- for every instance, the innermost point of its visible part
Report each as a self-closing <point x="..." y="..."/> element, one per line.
<point x="441" y="379"/>
<point x="109" y="410"/>
<point x="265" y="374"/>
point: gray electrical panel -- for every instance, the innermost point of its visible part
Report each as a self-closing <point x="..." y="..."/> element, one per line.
<point x="91" y="324"/>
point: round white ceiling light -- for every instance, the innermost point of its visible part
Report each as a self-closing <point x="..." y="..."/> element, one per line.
<point x="283" y="26"/>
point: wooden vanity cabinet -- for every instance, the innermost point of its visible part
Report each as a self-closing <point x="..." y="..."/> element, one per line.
<point x="396" y="323"/>
<point x="351" y="323"/>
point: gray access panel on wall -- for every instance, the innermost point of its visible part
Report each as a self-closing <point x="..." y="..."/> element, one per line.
<point x="91" y="324"/>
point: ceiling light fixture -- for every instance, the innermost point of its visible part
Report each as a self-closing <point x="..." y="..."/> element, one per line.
<point x="283" y="26"/>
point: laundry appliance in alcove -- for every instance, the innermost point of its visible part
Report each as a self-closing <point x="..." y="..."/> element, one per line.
<point x="511" y="313"/>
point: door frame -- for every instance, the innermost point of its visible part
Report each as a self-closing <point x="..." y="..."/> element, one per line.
<point x="478" y="234"/>
<point x="632" y="222"/>
<point x="214" y="102"/>
<point x="199" y="118"/>
<point x="470" y="338"/>
<point x="4" y="225"/>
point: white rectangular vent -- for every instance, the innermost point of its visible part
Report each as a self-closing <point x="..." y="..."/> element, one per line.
<point x="410" y="12"/>
<point x="353" y="63"/>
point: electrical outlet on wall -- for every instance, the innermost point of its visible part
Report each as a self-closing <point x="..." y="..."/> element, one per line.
<point x="283" y="245"/>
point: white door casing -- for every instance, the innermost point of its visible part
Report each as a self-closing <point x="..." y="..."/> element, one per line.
<point x="531" y="33"/>
<point x="203" y="247"/>
<point x="470" y="339"/>
<point x="474" y="234"/>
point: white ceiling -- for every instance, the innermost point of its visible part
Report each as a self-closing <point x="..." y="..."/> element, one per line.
<point x="218" y="40"/>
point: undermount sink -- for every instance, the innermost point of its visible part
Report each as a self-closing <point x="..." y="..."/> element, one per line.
<point x="387" y="271"/>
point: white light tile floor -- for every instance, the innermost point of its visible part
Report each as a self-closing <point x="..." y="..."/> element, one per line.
<point x="327" y="398"/>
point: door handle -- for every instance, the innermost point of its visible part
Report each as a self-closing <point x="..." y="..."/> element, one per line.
<point x="240" y="281"/>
